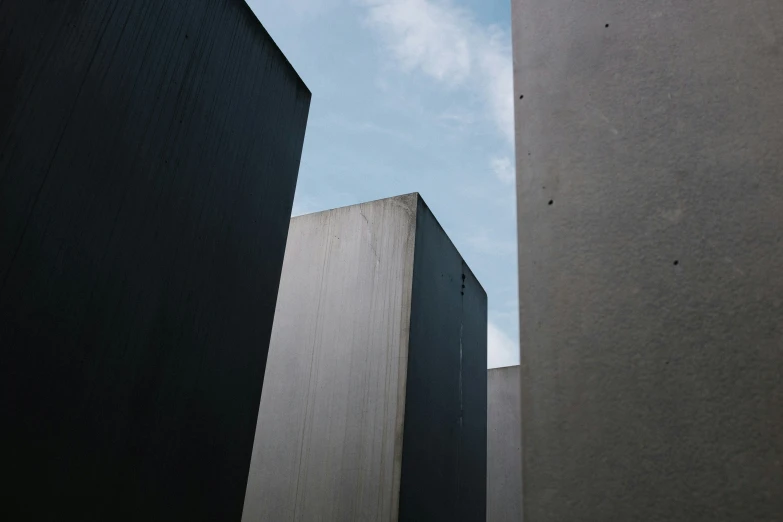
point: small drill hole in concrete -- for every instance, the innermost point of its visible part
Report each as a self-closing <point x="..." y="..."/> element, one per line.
<point x="551" y="201"/>
<point x="676" y="262"/>
<point x="521" y="96"/>
<point x="607" y="25"/>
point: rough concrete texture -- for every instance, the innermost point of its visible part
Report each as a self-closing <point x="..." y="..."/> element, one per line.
<point x="444" y="462"/>
<point x="504" y="452"/>
<point x="373" y="408"/>
<point x="650" y="201"/>
<point x="148" y="160"/>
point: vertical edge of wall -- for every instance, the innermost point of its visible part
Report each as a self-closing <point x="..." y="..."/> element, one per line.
<point x="650" y="203"/>
<point x="504" y="453"/>
<point x="149" y="153"/>
<point x="444" y="442"/>
<point x="327" y="444"/>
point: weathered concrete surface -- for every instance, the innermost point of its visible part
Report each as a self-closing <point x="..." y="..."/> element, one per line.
<point x="651" y="288"/>
<point x="444" y="458"/>
<point x="361" y="319"/>
<point x="504" y="451"/>
<point x="148" y="160"/>
<point x="330" y="420"/>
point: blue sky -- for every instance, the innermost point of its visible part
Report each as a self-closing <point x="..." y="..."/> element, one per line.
<point x="413" y="96"/>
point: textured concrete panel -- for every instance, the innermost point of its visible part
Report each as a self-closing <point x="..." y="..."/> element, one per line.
<point x="148" y="159"/>
<point x="504" y="452"/>
<point x="361" y="319"/>
<point x="333" y="400"/>
<point x="445" y="438"/>
<point x="650" y="197"/>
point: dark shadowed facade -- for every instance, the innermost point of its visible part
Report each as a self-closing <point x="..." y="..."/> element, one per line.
<point x="149" y="152"/>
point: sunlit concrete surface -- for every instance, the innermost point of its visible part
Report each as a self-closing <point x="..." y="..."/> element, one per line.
<point x="374" y="401"/>
<point x="650" y="201"/>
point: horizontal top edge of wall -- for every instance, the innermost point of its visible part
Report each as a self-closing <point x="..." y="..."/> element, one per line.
<point x="413" y="205"/>
<point x="345" y="207"/>
<point x="510" y="366"/>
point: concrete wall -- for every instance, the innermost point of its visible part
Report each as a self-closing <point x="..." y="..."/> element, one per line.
<point x="650" y="197"/>
<point x="445" y="440"/>
<point x="353" y="361"/>
<point x="148" y="159"/>
<point x="504" y="451"/>
<point x="330" y="422"/>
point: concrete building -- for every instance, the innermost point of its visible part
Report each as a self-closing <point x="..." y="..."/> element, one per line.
<point x="504" y="453"/>
<point x="148" y="159"/>
<point x="374" y="402"/>
<point x="650" y="206"/>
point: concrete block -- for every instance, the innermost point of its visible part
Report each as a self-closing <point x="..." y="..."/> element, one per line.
<point x="374" y="402"/>
<point x="149" y="152"/>
<point x="650" y="196"/>
<point x="504" y="452"/>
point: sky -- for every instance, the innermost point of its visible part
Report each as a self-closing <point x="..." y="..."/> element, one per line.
<point x="413" y="96"/>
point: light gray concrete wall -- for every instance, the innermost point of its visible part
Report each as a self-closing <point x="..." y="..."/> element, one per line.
<point x="329" y="438"/>
<point x="374" y="400"/>
<point x="650" y="206"/>
<point x="504" y="451"/>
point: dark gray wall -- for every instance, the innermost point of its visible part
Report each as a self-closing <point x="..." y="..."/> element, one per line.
<point x="148" y="159"/>
<point x="504" y="451"/>
<point x="445" y="439"/>
<point x="651" y="288"/>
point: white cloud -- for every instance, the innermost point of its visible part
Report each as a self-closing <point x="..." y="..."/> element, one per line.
<point x="445" y="42"/>
<point x="291" y="12"/>
<point x="501" y="349"/>
<point x="425" y="35"/>
<point x="503" y="169"/>
<point x="311" y="7"/>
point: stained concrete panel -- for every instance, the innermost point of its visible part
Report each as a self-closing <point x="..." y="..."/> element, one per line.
<point x="504" y="452"/>
<point x="374" y="402"/>
<point x="650" y="202"/>
<point x="148" y="159"/>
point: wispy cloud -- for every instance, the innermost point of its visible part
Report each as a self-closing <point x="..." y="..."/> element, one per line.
<point x="425" y="35"/>
<point x="457" y="118"/>
<point x="503" y="169"/>
<point x="444" y="41"/>
<point x="312" y="7"/>
<point x="501" y="349"/>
